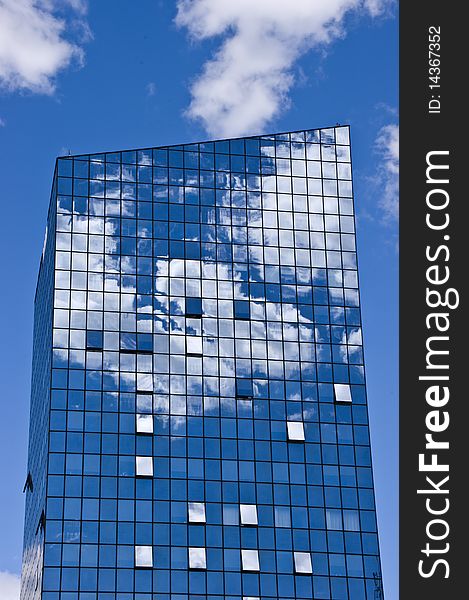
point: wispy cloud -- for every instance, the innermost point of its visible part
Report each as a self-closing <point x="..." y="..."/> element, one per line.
<point x="33" y="42"/>
<point x="247" y="81"/>
<point x="151" y="88"/>
<point x="9" y="586"/>
<point x="80" y="6"/>
<point x="387" y="175"/>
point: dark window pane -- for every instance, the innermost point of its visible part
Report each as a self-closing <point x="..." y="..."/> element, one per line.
<point x="241" y="309"/>
<point x="244" y="388"/>
<point x="144" y="342"/>
<point x="94" y="340"/>
<point x="194" y="307"/>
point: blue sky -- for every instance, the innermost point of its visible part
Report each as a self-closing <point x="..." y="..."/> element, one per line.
<point x="85" y="77"/>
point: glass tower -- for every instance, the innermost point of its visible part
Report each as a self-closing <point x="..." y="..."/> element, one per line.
<point x="199" y="424"/>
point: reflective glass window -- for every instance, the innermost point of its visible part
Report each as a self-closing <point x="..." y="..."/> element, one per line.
<point x="196" y="512"/>
<point x="144" y="424"/>
<point x="193" y="307"/>
<point x="250" y="560"/>
<point x="248" y="514"/>
<point x="197" y="558"/>
<point x="342" y="392"/>
<point x="303" y="563"/>
<point x="144" y="466"/>
<point x="296" y="432"/>
<point x="241" y="309"/>
<point x="144" y="557"/>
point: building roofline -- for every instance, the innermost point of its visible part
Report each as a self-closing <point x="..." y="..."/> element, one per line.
<point x="245" y="137"/>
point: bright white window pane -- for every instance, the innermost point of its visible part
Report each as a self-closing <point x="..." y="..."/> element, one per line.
<point x="250" y="560"/>
<point x="248" y="513"/>
<point x="144" y="382"/>
<point x="144" y="556"/>
<point x="296" y="431"/>
<point x="144" y="466"/>
<point x="197" y="558"/>
<point x="194" y="344"/>
<point x="196" y="512"/>
<point x="303" y="563"/>
<point x="144" y="424"/>
<point x="342" y="392"/>
<point x="341" y="135"/>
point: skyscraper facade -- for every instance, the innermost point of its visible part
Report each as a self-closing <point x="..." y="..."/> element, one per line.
<point x="199" y="422"/>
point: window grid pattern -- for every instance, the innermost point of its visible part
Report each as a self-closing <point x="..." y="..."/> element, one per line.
<point x="33" y="544"/>
<point x="214" y="288"/>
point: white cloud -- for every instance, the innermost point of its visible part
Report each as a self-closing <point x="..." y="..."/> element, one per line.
<point x="387" y="147"/>
<point x="9" y="586"/>
<point x="247" y="81"/>
<point x="33" y="47"/>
